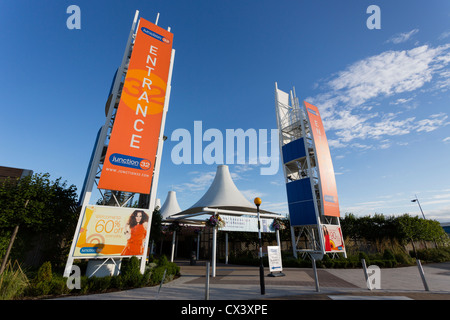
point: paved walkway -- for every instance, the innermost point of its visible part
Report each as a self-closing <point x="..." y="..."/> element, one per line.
<point x="233" y="282"/>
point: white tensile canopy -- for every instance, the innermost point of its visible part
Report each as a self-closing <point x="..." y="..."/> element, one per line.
<point x="170" y="206"/>
<point x="222" y="197"/>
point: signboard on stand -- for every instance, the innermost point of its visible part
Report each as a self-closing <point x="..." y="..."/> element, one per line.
<point x="275" y="263"/>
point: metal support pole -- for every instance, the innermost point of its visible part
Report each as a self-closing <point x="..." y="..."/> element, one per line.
<point x="176" y="247"/>
<point x="294" y="244"/>
<point x="226" y="248"/>
<point x="214" y="249"/>
<point x="422" y="275"/>
<point x="207" y="282"/>
<point x="316" y="278"/>
<point x="366" y="275"/>
<point x="198" y="245"/>
<point x="261" y="265"/>
<point x="277" y="233"/>
<point x="417" y="200"/>
<point x="173" y="245"/>
<point x="160" y="285"/>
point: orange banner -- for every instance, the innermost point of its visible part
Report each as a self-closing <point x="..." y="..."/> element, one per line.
<point x="330" y="203"/>
<point x="130" y="158"/>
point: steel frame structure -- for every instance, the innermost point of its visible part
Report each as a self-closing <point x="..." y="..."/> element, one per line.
<point x="121" y="199"/>
<point x="293" y="124"/>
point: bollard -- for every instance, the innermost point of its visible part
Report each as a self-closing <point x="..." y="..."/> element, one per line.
<point x="366" y="275"/>
<point x="422" y="275"/>
<point x="207" y="282"/>
<point x="315" y="274"/>
<point x="160" y="285"/>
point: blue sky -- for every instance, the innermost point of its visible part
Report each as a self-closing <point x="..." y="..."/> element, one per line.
<point x="383" y="93"/>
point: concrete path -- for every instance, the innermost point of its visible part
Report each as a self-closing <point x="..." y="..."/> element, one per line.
<point x="233" y="282"/>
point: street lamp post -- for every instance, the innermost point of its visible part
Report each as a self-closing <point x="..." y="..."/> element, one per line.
<point x="417" y="200"/>
<point x="257" y="202"/>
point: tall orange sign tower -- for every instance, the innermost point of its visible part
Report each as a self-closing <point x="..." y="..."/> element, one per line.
<point x="309" y="176"/>
<point x="126" y="158"/>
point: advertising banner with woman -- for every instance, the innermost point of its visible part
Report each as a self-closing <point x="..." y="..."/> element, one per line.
<point x="112" y="232"/>
<point x="333" y="238"/>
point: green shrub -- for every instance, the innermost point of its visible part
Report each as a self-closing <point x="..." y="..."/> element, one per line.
<point x="157" y="274"/>
<point x="404" y="259"/>
<point x="131" y="274"/>
<point x="162" y="261"/>
<point x="146" y="278"/>
<point x="381" y="263"/>
<point x="99" y="284"/>
<point x="171" y="267"/>
<point x="326" y="261"/>
<point x="45" y="272"/>
<point x="41" y="285"/>
<point x="117" y="282"/>
<point x="341" y="263"/>
<point x="363" y="255"/>
<point x="38" y="289"/>
<point x="388" y="255"/>
<point x="58" y="285"/>
<point x="434" y="255"/>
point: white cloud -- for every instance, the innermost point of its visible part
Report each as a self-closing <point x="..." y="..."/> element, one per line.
<point x="400" y="101"/>
<point x="277" y="183"/>
<point x="276" y="207"/>
<point x="402" y="37"/>
<point x="251" y="194"/>
<point x="199" y="182"/>
<point x="391" y="127"/>
<point x="444" y="35"/>
<point x="446" y="140"/>
<point x="348" y="106"/>
<point x="435" y="121"/>
<point x="243" y="168"/>
<point x="334" y="143"/>
<point x="388" y="73"/>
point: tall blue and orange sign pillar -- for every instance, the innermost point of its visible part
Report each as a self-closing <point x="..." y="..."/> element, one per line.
<point x="127" y="152"/>
<point x="309" y="176"/>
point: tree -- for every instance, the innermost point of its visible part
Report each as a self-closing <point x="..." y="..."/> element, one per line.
<point x="156" y="228"/>
<point x="404" y="228"/>
<point x="38" y="206"/>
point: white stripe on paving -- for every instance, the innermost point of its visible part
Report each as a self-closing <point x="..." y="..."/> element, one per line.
<point x="344" y="297"/>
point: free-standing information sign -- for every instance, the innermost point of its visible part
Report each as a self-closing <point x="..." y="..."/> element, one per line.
<point x="274" y="255"/>
<point x="130" y="158"/>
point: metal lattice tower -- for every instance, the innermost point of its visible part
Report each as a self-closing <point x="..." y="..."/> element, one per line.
<point x="302" y="176"/>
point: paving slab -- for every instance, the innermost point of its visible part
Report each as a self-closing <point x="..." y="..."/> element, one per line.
<point x="234" y="282"/>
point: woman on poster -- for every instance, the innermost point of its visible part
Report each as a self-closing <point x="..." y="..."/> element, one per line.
<point x="135" y="231"/>
<point x="326" y="236"/>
